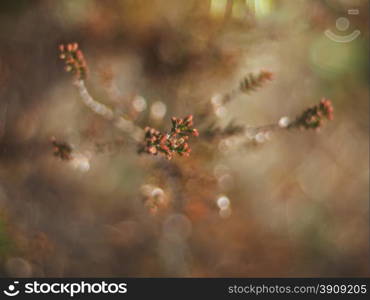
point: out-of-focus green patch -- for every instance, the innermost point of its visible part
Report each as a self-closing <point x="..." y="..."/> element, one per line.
<point x="239" y="9"/>
<point x="5" y="241"/>
<point x="260" y="7"/>
<point x="332" y="60"/>
<point x="218" y="7"/>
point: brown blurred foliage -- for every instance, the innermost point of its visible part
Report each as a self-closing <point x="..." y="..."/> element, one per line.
<point x="296" y="205"/>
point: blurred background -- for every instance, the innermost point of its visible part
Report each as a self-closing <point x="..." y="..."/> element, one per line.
<point x="296" y="204"/>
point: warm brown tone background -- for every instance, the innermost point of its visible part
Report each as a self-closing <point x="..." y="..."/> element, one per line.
<point x="299" y="202"/>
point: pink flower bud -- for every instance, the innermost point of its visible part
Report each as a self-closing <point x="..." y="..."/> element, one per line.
<point x="189" y="118"/>
<point x="152" y="150"/>
<point x="163" y="139"/>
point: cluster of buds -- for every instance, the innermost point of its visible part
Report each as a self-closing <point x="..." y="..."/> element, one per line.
<point x="74" y="60"/>
<point x="253" y="81"/>
<point x="61" y="149"/>
<point x="313" y="117"/>
<point x="175" y="141"/>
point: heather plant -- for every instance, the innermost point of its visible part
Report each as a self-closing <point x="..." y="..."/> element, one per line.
<point x="176" y="140"/>
<point x="183" y="138"/>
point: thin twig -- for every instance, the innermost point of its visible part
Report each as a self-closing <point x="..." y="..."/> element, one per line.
<point x="107" y="113"/>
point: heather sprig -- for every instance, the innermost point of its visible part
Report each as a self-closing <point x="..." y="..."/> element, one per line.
<point x="310" y="118"/>
<point x="174" y="141"/>
<point x="313" y="117"/>
<point x="74" y="60"/>
<point x="250" y="82"/>
<point x="75" y="63"/>
<point x="63" y="150"/>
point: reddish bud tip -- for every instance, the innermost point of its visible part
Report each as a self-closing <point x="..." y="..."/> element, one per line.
<point x="189" y="118"/>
